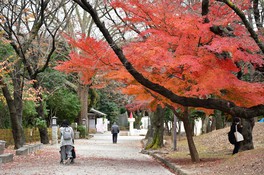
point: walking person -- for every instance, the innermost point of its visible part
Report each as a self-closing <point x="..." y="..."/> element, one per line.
<point x="66" y="142"/>
<point x="236" y="126"/>
<point x="114" y="131"/>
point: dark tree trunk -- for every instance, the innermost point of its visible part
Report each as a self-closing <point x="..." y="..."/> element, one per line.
<point x="44" y="137"/>
<point x="205" y="7"/>
<point x="188" y="130"/>
<point x="208" y="126"/>
<point x="150" y="128"/>
<point x="180" y="128"/>
<point x="138" y="116"/>
<point x="174" y="133"/>
<point x="205" y="10"/>
<point x="213" y="123"/>
<point x="43" y="131"/>
<point x="219" y="119"/>
<point x="157" y="124"/>
<point x="248" y="125"/>
<point x="205" y="125"/>
<point x="83" y="96"/>
<point x="167" y="129"/>
<point x="191" y="120"/>
<point x="257" y="14"/>
<point x="15" y="114"/>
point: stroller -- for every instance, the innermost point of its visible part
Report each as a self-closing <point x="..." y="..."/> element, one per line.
<point x="73" y="156"/>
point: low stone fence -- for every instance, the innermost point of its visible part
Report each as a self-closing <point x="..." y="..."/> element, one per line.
<point x="4" y="158"/>
<point x="2" y="146"/>
<point x="27" y="149"/>
<point x="7" y="157"/>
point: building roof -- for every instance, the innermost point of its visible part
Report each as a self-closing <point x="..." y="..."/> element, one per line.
<point x="97" y="112"/>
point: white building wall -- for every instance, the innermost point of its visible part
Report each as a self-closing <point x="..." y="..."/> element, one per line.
<point x="145" y="122"/>
<point x="102" y="125"/>
<point x="197" y="127"/>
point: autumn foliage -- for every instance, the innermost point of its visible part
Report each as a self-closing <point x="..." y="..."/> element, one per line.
<point x="178" y="49"/>
<point x="88" y="59"/>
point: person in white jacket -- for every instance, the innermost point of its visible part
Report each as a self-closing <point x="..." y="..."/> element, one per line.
<point x="66" y="142"/>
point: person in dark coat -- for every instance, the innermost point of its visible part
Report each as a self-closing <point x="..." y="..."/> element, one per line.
<point x="236" y="122"/>
<point x="114" y="131"/>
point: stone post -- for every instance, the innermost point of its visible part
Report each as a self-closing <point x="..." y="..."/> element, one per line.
<point x="2" y="146"/>
<point x="131" y="125"/>
<point x="54" y="130"/>
<point x="84" y="123"/>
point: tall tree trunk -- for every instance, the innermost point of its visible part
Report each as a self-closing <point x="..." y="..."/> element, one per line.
<point x="44" y="137"/>
<point x="158" y="129"/>
<point x="174" y="133"/>
<point x="188" y="131"/>
<point x="167" y="128"/>
<point x="150" y="128"/>
<point x="83" y="96"/>
<point x="206" y="125"/>
<point x="248" y="125"/>
<point x="15" y="117"/>
<point x="43" y="130"/>
<point x="204" y="121"/>
<point x="138" y="117"/>
<point x="219" y="119"/>
<point x="213" y="123"/>
<point x="257" y="14"/>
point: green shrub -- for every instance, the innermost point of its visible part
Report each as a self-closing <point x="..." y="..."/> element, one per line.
<point x="82" y="131"/>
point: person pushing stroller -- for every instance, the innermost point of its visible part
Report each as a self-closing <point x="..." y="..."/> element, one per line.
<point x="66" y="143"/>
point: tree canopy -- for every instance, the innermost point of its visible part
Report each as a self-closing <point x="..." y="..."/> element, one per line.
<point x="178" y="54"/>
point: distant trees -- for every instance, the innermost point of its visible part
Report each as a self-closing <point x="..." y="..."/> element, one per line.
<point x="64" y="104"/>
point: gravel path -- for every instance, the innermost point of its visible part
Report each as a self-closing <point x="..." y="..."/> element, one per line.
<point x="96" y="156"/>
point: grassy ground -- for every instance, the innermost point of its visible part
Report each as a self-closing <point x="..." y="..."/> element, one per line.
<point x="216" y="154"/>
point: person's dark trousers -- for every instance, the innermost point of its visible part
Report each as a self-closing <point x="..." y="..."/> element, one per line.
<point x="236" y="148"/>
<point x="114" y="137"/>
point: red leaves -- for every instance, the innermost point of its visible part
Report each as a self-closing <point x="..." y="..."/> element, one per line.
<point x="182" y="53"/>
<point x="178" y="50"/>
<point x="90" y="58"/>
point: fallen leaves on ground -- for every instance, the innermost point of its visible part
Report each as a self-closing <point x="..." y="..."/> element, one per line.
<point x="216" y="154"/>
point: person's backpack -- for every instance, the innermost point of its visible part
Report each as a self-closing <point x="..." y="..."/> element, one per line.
<point x="66" y="133"/>
<point x="231" y="137"/>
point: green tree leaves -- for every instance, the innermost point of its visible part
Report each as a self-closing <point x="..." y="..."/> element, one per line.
<point x="64" y="104"/>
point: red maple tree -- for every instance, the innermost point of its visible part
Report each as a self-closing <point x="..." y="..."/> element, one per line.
<point x="89" y="57"/>
<point x="191" y="56"/>
<point x="179" y="50"/>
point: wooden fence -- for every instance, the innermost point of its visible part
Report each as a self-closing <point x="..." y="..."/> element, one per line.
<point x="31" y="135"/>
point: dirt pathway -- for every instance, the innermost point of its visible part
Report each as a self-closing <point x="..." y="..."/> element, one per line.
<point x="96" y="156"/>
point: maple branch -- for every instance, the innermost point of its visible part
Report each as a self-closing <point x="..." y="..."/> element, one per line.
<point x="245" y="21"/>
<point x="113" y="21"/>
<point x="257" y="14"/>
<point x="205" y="10"/>
<point x="220" y="104"/>
<point x="205" y="7"/>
